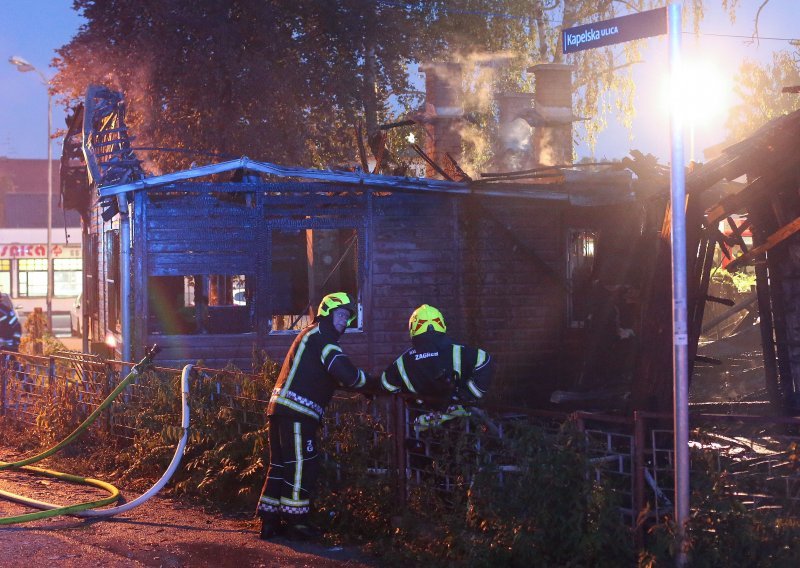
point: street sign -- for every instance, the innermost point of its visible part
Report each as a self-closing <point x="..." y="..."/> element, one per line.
<point x="615" y="30"/>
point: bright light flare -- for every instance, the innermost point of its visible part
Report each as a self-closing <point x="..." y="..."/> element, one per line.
<point x="111" y="340"/>
<point x="701" y="92"/>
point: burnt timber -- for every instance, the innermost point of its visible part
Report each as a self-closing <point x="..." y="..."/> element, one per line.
<point x="492" y="254"/>
<point x="769" y="203"/>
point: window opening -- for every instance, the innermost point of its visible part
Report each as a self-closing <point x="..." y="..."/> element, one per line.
<point x="5" y="276"/>
<point x="113" y="284"/>
<point x="307" y="264"/>
<point x="200" y="303"/>
<point x="580" y="270"/>
<point x="91" y="294"/>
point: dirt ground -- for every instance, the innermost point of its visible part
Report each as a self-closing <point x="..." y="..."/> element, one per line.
<point x="161" y="532"/>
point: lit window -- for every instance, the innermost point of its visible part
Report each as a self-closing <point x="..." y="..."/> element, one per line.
<point x="5" y="276"/>
<point x="67" y="277"/>
<point x="580" y="266"/>
<point x="32" y="277"/>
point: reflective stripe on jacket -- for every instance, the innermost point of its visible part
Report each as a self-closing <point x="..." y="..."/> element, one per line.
<point x="314" y="367"/>
<point x="427" y="369"/>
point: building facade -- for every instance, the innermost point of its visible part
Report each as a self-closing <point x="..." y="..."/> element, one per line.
<point x="23" y="242"/>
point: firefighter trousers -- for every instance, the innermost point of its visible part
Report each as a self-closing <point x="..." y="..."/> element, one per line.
<point x="293" y="467"/>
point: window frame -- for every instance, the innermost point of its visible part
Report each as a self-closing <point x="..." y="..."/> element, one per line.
<point x="571" y="267"/>
<point x="22" y="262"/>
<point x="318" y="223"/>
<point x="5" y="285"/>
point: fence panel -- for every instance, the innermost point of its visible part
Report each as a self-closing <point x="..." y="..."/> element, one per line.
<point x="758" y="458"/>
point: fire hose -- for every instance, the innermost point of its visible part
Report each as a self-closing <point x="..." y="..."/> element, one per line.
<point x="89" y="509"/>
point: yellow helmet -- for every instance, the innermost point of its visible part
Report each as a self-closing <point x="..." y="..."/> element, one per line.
<point x="337" y="300"/>
<point x="424" y="318"/>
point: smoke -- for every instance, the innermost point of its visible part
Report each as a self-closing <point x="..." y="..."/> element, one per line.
<point x="516" y="136"/>
<point x="476" y="148"/>
<point x="546" y="152"/>
<point x="479" y="77"/>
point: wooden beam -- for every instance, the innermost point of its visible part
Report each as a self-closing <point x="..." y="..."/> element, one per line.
<point x="736" y="232"/>
<point x="774" y="239"/>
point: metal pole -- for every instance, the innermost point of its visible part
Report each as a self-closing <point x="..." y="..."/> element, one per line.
<point x="125" y="276"/>
<point x="24" y="66"/>
<point x="680" y="345"/>
<point x="49" y="211"/>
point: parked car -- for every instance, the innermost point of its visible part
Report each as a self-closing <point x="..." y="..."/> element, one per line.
<point x="75" y="317"/>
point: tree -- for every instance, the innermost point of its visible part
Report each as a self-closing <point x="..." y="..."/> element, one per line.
<point x="282" y="81"/>
<point x="286" y="80"/>
<point x="760" y="90"/>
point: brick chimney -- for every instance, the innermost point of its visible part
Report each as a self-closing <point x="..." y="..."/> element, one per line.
<point x="552" y="142"/>
<point x="444" y="110"/>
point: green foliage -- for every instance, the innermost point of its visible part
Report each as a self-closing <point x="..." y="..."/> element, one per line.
<point x="741" y="281"/>
<point x="233" y="77"/>
<point x="59" y="414"/>
<point x="548" y="510"/>
<point x="760" y="90"/>
<point x="223" y="461"/>
<point x="36" y="338"/>
<point x="357" y="494"/>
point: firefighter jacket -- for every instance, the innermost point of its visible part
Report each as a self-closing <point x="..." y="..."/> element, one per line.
<point x="314" y="367"/>
<point x="10" y="328"/>
<point x="436" y="366"/>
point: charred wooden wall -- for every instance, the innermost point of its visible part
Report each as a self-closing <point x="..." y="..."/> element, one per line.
<point x="494" y="266"/>
<point x="515" y="290"/>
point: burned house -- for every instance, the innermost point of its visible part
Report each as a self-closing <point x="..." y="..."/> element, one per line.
<point x="562" y="273"/>
<point x="766" y="205"/>
<point x="219" y="262"/>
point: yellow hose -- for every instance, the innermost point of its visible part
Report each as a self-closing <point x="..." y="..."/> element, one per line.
<point x="54" y="510"/>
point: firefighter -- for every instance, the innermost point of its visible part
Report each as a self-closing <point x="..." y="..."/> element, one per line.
<point x="437" y="367"/>
<point x="314" y="367"/>
<point x="10" y="328"/>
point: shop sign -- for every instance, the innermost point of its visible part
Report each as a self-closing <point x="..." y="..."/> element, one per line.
<point x="38" y="251"/>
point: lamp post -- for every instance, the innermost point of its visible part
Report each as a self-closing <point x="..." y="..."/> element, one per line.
<point x="24" y="66"/>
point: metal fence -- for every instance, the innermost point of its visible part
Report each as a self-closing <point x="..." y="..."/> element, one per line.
<point x="757" y="457"/>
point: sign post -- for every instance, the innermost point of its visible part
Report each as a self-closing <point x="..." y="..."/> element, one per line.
<point x="680" y="329"/>
<point x="618" y="30"/>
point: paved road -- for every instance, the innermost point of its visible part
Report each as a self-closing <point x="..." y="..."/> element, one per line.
<point x="160" y="533"/>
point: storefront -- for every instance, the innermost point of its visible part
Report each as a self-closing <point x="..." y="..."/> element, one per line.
<point x="23" y="272"/>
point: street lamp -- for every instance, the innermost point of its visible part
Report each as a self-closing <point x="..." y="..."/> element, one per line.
<point x="24" y="66"/>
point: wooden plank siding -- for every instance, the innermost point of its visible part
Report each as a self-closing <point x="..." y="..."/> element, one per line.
<point x="493" y="265"/>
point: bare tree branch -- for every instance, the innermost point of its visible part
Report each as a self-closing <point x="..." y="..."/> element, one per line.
<point x="585" y="79"/>
<point x="758" y="15"/>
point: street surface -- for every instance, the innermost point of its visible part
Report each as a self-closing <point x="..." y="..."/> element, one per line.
<point x="160" y="533"/>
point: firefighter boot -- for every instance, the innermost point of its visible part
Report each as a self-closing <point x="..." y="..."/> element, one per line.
<point x="270" y="526"/>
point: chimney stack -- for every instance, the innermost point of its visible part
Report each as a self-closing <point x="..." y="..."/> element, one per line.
<point x="552" y="142"/>
<point x="444" y="110"/>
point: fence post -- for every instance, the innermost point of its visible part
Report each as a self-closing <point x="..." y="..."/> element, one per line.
<point x="399" y="427"/>
<point x="638" y="476"/>
<point x="51" y="376"/>
<point x="3" y="381"/>
<point x="109" y="387"/>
